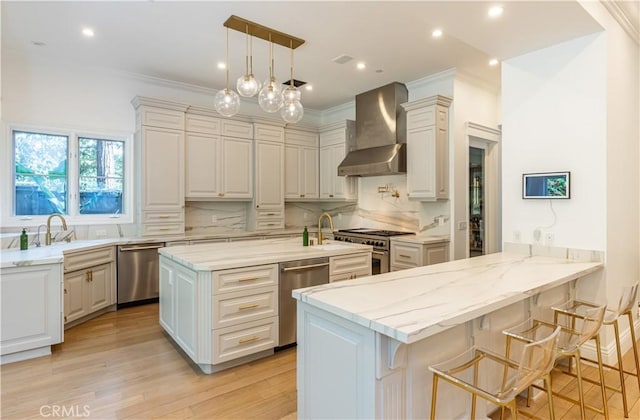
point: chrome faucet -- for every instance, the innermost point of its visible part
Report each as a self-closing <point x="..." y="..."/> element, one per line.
<point x="328" y="216"/>
<point x="36" y="240"/>
<point x="47" y="238"/>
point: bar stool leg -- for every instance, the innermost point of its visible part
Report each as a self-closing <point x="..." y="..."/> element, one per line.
<point x="547" y="383"/>
<point x="620" y="368"/>
<point x="603" y="388"/>
<point x="580" y="391"/>
<point x="634" y="344"/>
<point x="513" y="409"/>
<point x="434" y="396"/>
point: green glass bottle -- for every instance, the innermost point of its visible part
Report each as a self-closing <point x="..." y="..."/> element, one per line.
<point x="24" y="240"/>
<point x="305" y="237"/>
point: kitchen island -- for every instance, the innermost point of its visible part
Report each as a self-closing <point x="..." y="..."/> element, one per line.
<point x="219" y="302"/>
<point x="364" y="345"/>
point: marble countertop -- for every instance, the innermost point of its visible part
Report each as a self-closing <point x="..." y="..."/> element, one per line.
<point x="410" y="305"/>
<point x="51" y="254"/>
<point x="419" y="239"/>
<point x="220" y="256"/>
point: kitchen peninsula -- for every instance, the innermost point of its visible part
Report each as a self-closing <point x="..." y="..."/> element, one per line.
<point x="220" y="303"/>
<point x="364" y="345"/>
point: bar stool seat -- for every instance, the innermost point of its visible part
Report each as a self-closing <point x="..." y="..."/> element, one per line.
<point x="570" y="340"/>
<point x="576" y="309"/>
<point x="535" y="363"/>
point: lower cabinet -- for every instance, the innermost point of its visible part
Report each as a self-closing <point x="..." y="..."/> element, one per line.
<point x="31" y="311"/>
<point x="89" y="282"/>
<point x="413" y="254"/>
<point x="347" y="267"/>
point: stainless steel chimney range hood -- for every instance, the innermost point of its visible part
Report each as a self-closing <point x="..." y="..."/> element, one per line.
<point x="380" y="133"/>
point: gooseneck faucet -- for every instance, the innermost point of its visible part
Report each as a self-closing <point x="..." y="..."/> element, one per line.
<point x="328" y="216"/>
<point x="47" y="238"/>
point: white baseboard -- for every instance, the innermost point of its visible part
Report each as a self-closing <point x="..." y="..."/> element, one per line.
<point x="609" y="355"/>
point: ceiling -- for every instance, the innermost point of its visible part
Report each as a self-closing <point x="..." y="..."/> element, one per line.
<point x="184" y="41"/>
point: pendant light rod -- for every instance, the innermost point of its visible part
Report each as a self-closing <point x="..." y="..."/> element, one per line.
<point x="227" y="59"/>
<point x="263" y="32"/>
<point x="247" y="52"/>
<point x="291" y="80"/>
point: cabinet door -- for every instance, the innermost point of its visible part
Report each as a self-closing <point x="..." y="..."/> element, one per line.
<point x="167" y="300"/>
<point x="342" y="187"/>
<point x="421" y="182"/>
<point x="436" y="254"/>
<point x="185" y="306"/>
<point x="203" y="169"/>
<point x="99" y="292"/>
<point x="269" y="175"/>
<point x="309" y="172"/>
<point x="327" y="170"/>
<point x="292" y="177"/>
<point x="237" y="168"/>
<point x="74" y="291"/>
<point x="163" y="163"/>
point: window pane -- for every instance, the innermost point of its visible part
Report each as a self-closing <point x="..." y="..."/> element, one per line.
<point x="40" y="173"/>
<point x="101" y="180"/>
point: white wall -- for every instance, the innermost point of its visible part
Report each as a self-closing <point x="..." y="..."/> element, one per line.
<point x="554" y="119"/>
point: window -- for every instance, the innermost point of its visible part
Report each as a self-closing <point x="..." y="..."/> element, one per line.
<point x="84" y="177"/>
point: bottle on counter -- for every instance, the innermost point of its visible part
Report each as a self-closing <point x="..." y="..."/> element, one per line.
<point x="24" y="240"/>
<point x="305" y="237"/>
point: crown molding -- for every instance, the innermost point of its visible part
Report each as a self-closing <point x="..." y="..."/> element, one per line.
<point x="477" y="81"/>
<point x="428" y="80"/>
<point x="482" y="131"/>
<point x="624" y="19"/>
<point x="431" y="100"/>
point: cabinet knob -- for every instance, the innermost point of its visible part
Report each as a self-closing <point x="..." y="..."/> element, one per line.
<point x="65" y="291"/>
<point x="330" y="195"/>
<point x="65" y="318"/>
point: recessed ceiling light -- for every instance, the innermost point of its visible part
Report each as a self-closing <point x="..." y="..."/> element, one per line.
<point x="88" y="32"/>
<point x="222" y="66"/>
<point x="308" y="87"/>
<point x="495" y="11"/>
<point x="437" y="33"/>
<point x="493" y="62"/>
<point x="361" y="66"/>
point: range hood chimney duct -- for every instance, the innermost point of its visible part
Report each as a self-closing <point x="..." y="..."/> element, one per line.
<point x="381" y="128"/>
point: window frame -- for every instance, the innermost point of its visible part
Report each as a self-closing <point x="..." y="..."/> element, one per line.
<point x="73" y="217"/>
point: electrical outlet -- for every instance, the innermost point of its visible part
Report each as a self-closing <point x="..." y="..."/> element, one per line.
<point x="548" y="238"/>
<point x="305" y="215"/>
<point x="214" y="219"/>
<point x="517" y="236"/>
<point x="462" y="225"/>
<point x="537" y="234"/>
<point x="101" y="232"/>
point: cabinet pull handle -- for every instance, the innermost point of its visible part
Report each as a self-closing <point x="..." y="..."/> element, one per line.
<point x="249" y="279"/>
<point x="220" y="194"/>
<point x="65" y="291"/>
<point x="65" y="318"/>
<point x="271" y="214"/>
<point x="245" y="307"/>
<point x="163" y="216"/>
<point x="248" y="340"/>
<point x="404" y="256"/>
<point x="164" y="228"/>
<point x="302" y="195"/>
<point x="330" y="195"/>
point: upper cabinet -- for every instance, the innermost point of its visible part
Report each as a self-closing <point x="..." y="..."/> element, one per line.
<point x="160" y="172"/>
<point x="219" y="163"/>
<point x="301" y="165"/>
<point x="428" y="148"/>
<point x="335" y="142"/>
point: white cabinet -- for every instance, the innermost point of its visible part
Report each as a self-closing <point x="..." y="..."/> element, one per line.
<point x="160" y="143"/>
<point x="335" y="142"/>
<point x="219" y="162"/>
<point x="407" y="254"/>
<point x="347" y="267"/>
<point x="89" y="283"/>
<point x="31" y="306"/>
<point x="301" y="165"/>
<point x="428" y="148"/>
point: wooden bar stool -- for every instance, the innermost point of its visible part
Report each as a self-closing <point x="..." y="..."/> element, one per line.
<point x="571" y="338"/>
<point x="575" y="309"/>
<point x="535" y="363"/>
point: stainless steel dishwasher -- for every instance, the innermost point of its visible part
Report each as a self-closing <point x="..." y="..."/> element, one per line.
<point x="138" y="273"/>
<point x="296" y="275"/>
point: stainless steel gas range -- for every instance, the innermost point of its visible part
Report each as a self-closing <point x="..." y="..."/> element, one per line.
<point x="379" y="239"/>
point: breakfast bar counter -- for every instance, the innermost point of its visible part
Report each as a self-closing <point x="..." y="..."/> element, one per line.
<point x="364" y="345"/>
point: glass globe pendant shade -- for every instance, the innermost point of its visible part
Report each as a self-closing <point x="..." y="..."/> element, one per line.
<point x="292" y="111"/>
<point x="270" y="96"/>
<point x="227" y="102"/>
<point x="291" y="93"/>
<point x="248" y="85"/>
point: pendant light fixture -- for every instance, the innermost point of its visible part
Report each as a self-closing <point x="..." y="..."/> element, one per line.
<point x="270" y="96"/>
<point x="248" y="85"/>
<point x="226" y="101"/>
<point x="292" y="110"/>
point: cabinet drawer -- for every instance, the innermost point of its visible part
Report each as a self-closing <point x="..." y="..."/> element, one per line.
<point x="82" y="259"/>
<point x="269" y="133"/>
<point x="244" y="306"/>
<point x="236" y="129"/>
<point x="421" y="117"/>
<point x="244" y="339"/>
<point x="406" y="255"/>
<point x="165" y="118"/>
<point x="355" y="264"/>
<point x="270" y="224"/>
<point x="244" y="278"/>
<point x="160" y="229"/>
<point x="162" y="216"/>
<point x="269" y="214"/>
<point x="202" y="124"/>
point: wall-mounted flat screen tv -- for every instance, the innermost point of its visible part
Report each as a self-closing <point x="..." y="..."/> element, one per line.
<point x="546" y="185"/>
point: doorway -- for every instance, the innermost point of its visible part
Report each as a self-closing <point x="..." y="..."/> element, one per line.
<point x="476" y="202"/>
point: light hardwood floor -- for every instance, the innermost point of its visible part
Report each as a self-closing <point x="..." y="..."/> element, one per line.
<point x="122" y="365"/>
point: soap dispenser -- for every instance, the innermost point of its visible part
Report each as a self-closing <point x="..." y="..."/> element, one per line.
<point x="24" y="240"/>
<point x="305" y="237"/>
